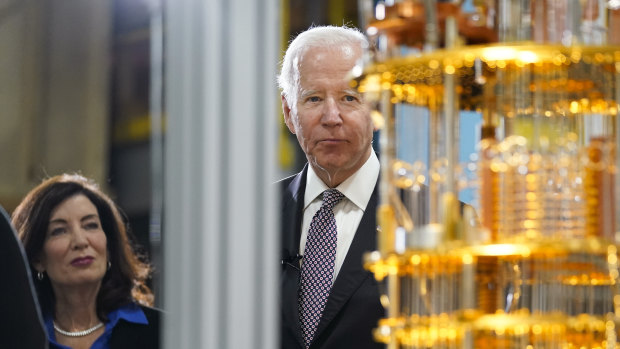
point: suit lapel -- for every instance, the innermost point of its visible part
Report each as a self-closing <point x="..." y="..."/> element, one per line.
<point x="292" y="214"/>
<point x="352" y="273"/>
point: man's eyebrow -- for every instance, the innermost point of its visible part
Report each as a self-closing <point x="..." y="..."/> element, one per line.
<point x="305" y="93"/>
<point x="352" y="92"/>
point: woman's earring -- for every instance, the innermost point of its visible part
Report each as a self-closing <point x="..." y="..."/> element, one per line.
<point x="109" y="265"/>
<point x="40" y="275"/>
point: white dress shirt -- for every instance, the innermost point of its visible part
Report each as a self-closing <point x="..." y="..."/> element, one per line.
<point x="357" y="190"/>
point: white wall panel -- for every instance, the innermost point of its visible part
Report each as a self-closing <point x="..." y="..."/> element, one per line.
<point x="220" y="232"/>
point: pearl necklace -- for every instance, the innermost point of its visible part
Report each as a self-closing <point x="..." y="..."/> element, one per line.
<point x="86" y="332"/>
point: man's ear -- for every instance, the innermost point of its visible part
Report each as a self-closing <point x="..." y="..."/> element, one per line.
<point x="286" y="109"/>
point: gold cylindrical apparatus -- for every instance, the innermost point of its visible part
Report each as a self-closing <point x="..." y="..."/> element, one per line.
<point x="515" y="244"/>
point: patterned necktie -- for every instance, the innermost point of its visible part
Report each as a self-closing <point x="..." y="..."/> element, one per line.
<point x="317" y="269"/>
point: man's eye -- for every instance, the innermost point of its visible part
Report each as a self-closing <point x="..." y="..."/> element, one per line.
<point x="313" y="99"/>
<point x="350" y="98"/>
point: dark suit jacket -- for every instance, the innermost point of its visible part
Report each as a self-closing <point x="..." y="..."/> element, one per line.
<point x="21" y="324"/>
<point x="353" y="308"/>
<point x="128" y="335"/>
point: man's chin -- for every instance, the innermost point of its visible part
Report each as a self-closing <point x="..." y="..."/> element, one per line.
<point x="329" y="165"/>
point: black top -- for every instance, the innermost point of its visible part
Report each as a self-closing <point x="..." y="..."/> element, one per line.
<point x="129" y="335"/>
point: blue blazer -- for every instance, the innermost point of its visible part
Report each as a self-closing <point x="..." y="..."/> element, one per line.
<point x="353" y="307"/>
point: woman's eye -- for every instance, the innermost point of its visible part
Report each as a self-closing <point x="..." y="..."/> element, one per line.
<point x="57" y="231"/>
<point x="92" y="225"/>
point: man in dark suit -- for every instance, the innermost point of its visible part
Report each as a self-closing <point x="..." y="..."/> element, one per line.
<point x="334" y="129"/>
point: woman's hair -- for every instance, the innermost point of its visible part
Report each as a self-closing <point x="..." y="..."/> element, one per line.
<point x="124" y="281"/>
<point x="321" y="36"/>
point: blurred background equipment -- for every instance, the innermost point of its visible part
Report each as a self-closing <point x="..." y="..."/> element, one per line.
<point x="530" y="261"/>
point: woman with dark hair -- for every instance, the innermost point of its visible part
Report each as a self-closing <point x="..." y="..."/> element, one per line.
<point x="89" y="280"/>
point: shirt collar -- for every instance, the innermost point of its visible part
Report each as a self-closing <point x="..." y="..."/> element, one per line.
<point x="357" y="188"/>
<point x="130" y="313"/>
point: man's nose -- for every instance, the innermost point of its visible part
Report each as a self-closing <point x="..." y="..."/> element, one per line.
<point x="331" y="112"/>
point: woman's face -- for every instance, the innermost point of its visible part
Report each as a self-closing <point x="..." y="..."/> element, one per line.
<point x="75" y="249"/>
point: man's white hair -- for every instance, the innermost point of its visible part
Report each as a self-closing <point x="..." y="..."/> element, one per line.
<point x="321" y="36"/>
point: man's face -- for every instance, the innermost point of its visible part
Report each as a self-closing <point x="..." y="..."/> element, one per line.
<point x="330" y="119"/>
